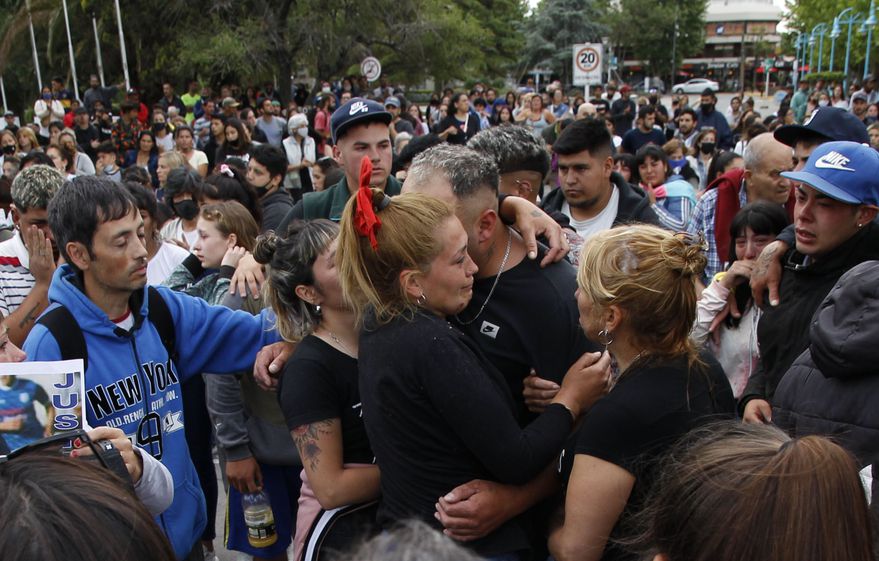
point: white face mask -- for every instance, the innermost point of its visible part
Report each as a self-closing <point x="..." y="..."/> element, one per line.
<point x="325" y="89"/>
<point x="823" y="103"/>
<point x="302" y="131"/>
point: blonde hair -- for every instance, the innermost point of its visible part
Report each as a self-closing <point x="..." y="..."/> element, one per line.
<point x="407" y="239"/>
<point x="31" y="135"/>
<point x="650" y="273"/>
<point x="174" y="159"/>
<point x="230" y="217"/>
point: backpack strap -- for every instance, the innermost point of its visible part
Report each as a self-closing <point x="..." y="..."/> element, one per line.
<point x="71" y="342"/>
<point x="160" y="317"/>
<point x="67" y="333"/>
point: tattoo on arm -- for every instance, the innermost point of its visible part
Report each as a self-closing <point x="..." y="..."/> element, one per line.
<point x="306" y="438"/>
<point x="764" y="260"/>
<point x="30" y="316"/>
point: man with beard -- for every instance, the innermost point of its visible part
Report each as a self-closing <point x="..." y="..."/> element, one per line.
<point x="592" y="195"/>
<point x="707" y="117"/>
<point x="687" y="127"/>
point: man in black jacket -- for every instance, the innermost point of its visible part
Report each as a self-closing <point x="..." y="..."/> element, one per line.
<point x="836" y="203"/>
<point x="592" y="195"/>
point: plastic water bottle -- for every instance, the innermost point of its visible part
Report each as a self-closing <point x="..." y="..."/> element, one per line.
<point x="259" y="518"/>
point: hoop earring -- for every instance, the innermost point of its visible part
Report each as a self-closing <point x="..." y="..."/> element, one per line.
<point x="605" y="338"/>
<point x="421" y="300"/>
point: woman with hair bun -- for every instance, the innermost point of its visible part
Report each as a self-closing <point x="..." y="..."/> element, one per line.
<point x="437" y="413"/>
<point x="743" y="491"/>
<point x="318" y="391"/>
<point x="637" y="296"/>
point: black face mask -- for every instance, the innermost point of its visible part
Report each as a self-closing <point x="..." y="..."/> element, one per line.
<point x="158" y="128"/>
<point x="261" y="191"/>
<point x="9" y="149"/>
<point x="707" y="148"/>
<point x="187" y="210"/>
<point x="706" y="108"/>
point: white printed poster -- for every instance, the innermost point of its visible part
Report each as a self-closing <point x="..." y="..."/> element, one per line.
<point x="39" y="399"/>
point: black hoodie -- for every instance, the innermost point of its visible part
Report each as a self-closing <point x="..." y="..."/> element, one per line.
<point x="634" y="205"/>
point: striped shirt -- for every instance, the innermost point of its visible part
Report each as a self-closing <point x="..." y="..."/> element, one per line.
<point x="702" y="223"/>
<point x="16" y="280"/>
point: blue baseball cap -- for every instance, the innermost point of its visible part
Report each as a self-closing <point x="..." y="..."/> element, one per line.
<point x="357" y="111"/>
<point x="844" y="171"/>
<point x="825" y="124"/>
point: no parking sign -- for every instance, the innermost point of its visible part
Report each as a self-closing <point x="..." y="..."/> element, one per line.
<point x="587" y="63"/>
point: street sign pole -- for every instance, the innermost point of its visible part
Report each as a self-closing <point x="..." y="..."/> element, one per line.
<point x="588" y="58"/>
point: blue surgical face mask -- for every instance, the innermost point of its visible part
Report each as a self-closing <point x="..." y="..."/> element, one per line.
<point x="47" y="96"/>
<point x="676" y="165"/>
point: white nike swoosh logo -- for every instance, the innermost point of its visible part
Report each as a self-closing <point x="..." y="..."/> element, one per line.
<point x="825" y="165"/>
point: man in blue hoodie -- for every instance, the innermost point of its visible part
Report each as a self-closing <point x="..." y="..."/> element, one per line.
<point x="131" y="381"/>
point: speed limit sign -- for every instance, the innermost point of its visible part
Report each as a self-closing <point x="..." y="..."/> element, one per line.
<point x="587" y="63"/>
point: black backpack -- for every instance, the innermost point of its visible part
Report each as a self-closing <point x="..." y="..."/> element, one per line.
<point x="67" y="333"/>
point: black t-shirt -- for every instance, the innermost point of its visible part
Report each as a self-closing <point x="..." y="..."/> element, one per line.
<point x="649" y="409"/>
<point x="320" y="383"/>
<point x="466" y="128"/>
<point x="622" y="120"/>
<point x="530" y="321"/>
<point x="439" y="415"/>
<point x="84" y="138"/>
<point x="105" y="130"/>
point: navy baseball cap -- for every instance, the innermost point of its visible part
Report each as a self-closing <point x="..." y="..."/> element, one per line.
<point x="357" y="111"/>
<point x="845" y="171"/>
<point x="825" y="124"/>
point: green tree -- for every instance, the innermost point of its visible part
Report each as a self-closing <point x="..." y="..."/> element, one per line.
<point x="660" y="33"/>
<point x="552" y="31"/>
<point x="804" y="15"/>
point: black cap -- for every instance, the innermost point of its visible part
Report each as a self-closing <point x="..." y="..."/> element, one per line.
<point x="825" y="124"/>
<point x="80" y="111"/>
<point x="357" y="111"/>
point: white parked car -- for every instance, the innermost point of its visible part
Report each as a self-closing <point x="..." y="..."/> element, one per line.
<point x="695" y="86"/>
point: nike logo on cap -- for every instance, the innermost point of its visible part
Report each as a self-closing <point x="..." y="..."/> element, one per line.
<point x="358" y="107"/>
<point x="833" y="160"/>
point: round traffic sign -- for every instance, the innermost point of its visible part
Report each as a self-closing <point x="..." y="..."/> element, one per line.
<point x="371" y="68"/>
<point x="587" y="59"/>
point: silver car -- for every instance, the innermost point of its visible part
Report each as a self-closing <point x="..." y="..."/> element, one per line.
<point x="695" y="86"/>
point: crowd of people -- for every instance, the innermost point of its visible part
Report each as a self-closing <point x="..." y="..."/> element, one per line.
<point x="514" y="328"/>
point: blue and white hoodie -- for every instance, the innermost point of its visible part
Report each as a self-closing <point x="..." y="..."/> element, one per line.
<point x="133" y="385"/>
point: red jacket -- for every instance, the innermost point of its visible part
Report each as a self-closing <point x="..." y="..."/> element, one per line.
<point x="728" y="186"/>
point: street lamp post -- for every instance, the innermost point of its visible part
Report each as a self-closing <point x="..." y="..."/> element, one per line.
<point x="811" y="51"/>
<point x="820" y="30"/>
<point x="848" y="17"/>
<point x="869" y="23"/>
<point x="834" y="33"/>
<point x="801" y="55"/>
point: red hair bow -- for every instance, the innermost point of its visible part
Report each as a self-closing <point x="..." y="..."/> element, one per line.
<point x="365" y="220"/>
